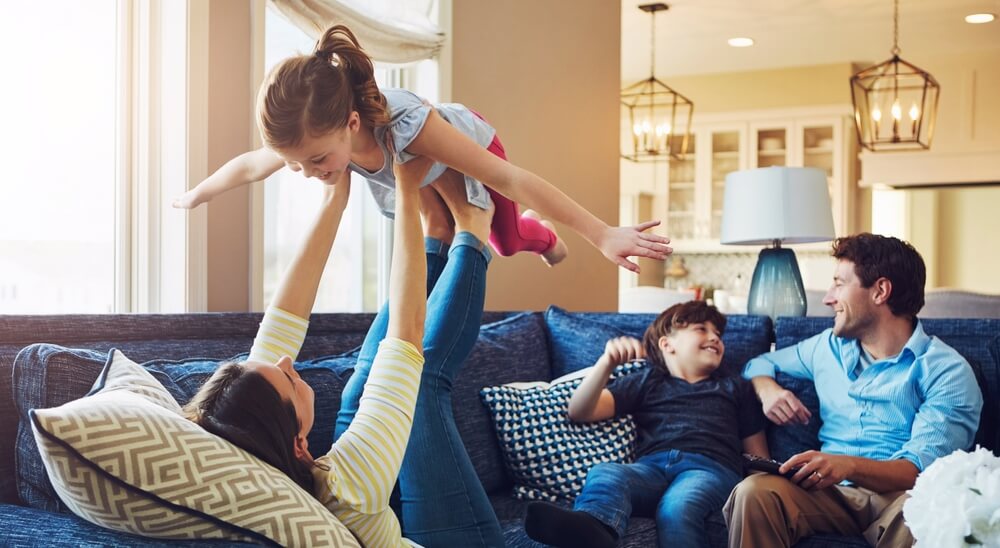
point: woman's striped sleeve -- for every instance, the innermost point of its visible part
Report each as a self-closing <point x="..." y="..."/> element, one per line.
<point x="280" y="334"/>
<point x="368" y="455"/>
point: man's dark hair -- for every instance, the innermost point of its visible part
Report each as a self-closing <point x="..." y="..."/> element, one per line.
<point x="875" y="257"/>
<point x="678" y="316"/>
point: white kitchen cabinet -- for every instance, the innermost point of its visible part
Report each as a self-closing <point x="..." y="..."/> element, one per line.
<point x="722" y="143"/>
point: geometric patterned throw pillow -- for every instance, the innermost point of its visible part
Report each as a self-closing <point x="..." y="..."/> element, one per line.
<point x="547" y="454"/>
<point x="124" y="458"/>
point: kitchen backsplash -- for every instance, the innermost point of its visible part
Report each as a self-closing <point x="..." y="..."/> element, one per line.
<point x="720" y="270"/>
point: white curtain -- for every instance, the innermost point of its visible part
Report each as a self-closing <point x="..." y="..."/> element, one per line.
<point x="390" y="31"/>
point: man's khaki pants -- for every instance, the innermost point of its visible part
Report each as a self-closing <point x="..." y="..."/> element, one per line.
<point x="767" y="511"/>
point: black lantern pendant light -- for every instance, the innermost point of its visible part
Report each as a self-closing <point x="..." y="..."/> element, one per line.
<point x="895" y="102"/>
<point x="659" y="118"/>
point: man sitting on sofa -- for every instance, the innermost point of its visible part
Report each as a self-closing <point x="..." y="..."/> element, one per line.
<point x="891" y="398"/>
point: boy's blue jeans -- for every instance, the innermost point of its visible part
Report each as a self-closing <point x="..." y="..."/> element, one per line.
<point x="680" y="489"/>
<point x="443" y="503"/>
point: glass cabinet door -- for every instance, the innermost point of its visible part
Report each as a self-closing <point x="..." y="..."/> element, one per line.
<point x="681" y="195"/>
<point x="821" y="148"/>
<point x="726" y="157"/>
<point x="771" y="146"/>
<point x="817" y="148"/>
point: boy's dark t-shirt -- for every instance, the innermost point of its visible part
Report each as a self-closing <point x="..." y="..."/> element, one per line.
<point x="710" y="417"/>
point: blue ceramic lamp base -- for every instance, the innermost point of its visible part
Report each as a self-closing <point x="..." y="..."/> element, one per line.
<point x="777" y="289"/>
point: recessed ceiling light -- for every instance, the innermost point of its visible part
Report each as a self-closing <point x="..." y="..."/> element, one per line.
<point x="741" y="42"/>
<point x="979" y="18"/>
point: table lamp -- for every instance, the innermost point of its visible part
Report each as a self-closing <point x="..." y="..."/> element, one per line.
<point x="772" y="206"/>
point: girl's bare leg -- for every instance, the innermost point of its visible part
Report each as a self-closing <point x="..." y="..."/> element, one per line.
<point x="558" y="252"/>
<point x="437" y="220"/>
<point x="468" y="218"/>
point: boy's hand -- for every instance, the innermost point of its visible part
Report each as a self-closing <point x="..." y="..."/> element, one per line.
<point x="412" y="173"/>
<point x="189" y="200"/>
<point x="621" y="242"/>
<point x="623" y="350"/>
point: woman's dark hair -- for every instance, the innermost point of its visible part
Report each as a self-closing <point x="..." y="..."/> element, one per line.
<point x="315" y="94"/>
<point x="875" y="256"/>
<point x="242" y="407"/>
<point x="678" y="316"/>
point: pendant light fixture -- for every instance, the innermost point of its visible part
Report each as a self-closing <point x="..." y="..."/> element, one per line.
<point x="895" y="102"/>
<point x="658" y="117"/>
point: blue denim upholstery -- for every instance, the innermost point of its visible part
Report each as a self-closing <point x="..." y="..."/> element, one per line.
<point x="577" y="339"/>
<point x="522" y="347"/>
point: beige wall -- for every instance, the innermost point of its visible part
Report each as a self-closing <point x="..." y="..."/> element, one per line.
<point x="765" y="89"/>
<point x="967" y="239"/>
<point x="546" y="75"/>
<point x="229" y="134"/>
<point x="955" y="230"/>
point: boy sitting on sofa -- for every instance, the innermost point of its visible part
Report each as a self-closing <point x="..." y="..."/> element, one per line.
<point x="693" y="423"/>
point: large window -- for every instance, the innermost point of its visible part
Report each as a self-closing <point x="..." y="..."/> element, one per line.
<point x="61" y="152"/>
<point x="355" y="277"/>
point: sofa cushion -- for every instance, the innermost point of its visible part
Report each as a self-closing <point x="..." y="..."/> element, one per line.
<point x="47" y="375"/>
<point x="125" y="458"/>
<point x="577" y="338"/>
<point x="509" y="350"/>
<point x="547" y="454"/>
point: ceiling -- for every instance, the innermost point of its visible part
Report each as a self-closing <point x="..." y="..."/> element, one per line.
<point x="691" y="36"/>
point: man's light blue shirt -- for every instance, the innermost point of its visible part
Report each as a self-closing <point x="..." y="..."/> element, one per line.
<point x="919" y="405"/>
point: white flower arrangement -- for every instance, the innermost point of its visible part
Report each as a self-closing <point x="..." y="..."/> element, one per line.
<point x="955" y="502"/>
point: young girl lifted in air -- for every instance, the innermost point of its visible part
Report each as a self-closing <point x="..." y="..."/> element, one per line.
<point x="323" y="115"/>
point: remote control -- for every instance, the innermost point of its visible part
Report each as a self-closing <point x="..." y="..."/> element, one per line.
<point x="753" y="462"/>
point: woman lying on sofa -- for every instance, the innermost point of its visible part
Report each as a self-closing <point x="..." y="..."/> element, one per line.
<point x="264" y="406"/>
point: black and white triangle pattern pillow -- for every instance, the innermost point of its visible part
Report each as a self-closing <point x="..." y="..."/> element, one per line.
<point x="547" y="454"/>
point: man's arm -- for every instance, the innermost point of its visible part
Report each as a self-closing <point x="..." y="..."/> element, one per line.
<point x="821" y="470"/>
<point x="781" y="406"/>
<point x="948" y="417"/>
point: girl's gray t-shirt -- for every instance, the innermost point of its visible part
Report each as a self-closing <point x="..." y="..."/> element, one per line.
<point x="408" y="113"/>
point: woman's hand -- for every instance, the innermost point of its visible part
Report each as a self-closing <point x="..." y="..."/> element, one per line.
<point x="621" y="242"/>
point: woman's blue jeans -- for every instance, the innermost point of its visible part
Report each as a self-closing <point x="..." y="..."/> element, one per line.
<point x="443" y="503"/>
<point x="680" y="489"/>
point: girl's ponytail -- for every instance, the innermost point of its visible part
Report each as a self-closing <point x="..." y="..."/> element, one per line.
<point x="315" y="94"/>
<point x="340" y="48"/>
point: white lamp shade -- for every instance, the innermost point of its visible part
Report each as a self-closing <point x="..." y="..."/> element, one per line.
<point x="789" y="204"/>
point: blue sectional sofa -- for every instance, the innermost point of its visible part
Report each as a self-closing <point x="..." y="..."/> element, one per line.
<point x="181" y="350"/>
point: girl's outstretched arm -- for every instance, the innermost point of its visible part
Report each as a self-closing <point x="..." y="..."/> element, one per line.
<point x="440" y="141"/>
<point x="244" y="169"/>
